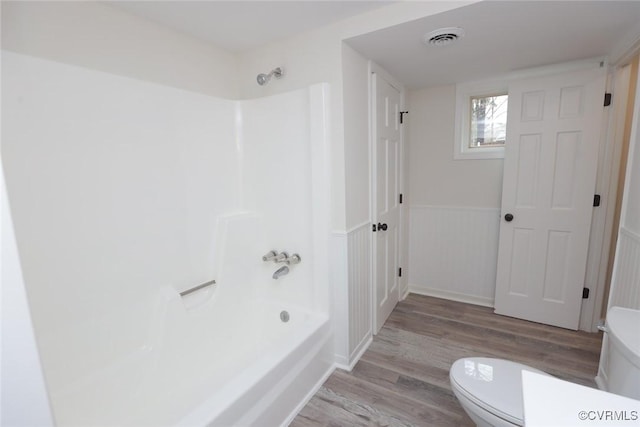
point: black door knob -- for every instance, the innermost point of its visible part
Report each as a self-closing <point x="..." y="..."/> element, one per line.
<point x="382" y="227"/>
<point x="508" y="217"/>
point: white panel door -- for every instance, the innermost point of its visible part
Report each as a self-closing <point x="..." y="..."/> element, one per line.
<point x="550" y="165"/>
<point x="386" y="197"/>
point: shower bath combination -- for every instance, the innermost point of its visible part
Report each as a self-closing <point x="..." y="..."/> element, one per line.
<point x="154" y="357"/>
<point x="263" y="79"/>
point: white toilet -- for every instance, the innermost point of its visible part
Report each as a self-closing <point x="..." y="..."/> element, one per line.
<point x="490" y="390"/>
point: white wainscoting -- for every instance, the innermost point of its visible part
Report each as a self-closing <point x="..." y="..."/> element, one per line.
<point x="360" y="305"/>
<point x="352" y="300"/>
<point x="625" y="291"/>
<point x="453" y="252"/>
<point x="340" y="296"/>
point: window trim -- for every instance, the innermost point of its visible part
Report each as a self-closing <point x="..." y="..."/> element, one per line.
<point x="464" y="92"/>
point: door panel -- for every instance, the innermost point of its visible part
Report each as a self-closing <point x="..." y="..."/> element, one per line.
<point x="386" y="194"/>
<point x="567" y="149"/>
<point x="528" y="170"/>
<point x="520" y="279"/>
<point x="553" y="134"/>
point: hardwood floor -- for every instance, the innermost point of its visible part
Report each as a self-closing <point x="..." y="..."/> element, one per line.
<point x="403" y="378"/>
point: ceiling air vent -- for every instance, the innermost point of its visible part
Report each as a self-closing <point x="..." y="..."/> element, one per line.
<point x="443" y="36"/>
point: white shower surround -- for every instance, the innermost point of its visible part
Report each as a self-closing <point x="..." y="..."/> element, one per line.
<point x="125" y="193"/>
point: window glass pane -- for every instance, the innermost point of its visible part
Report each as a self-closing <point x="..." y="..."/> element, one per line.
<point x="488" y="121"/>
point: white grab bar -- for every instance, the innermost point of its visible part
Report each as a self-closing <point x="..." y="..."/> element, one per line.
<point x="197" y="288"/>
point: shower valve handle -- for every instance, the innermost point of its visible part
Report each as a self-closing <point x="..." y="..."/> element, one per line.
<point x="294" y="259"/>
<point x="270" y="256"/>
<point x="281" y="257"/>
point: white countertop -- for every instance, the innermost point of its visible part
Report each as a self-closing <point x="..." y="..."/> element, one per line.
<point x="550" y="402"/>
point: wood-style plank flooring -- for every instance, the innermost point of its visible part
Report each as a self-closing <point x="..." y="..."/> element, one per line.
<point x="403" y="378"/>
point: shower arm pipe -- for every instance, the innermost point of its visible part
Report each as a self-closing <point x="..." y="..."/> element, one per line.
<point x="276" y="72"/>
<point x="197" y="288"/>
<point x="263" y="79"/>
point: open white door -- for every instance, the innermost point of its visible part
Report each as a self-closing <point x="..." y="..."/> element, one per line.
<point x="386" y="194"/>
<point x="553" y="131"/>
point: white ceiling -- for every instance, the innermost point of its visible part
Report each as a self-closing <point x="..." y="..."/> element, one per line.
<point x="241" y="25"/>
<point x="501" y="36"/>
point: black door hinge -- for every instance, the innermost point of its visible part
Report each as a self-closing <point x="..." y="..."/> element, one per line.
<point x="402" y="113"/>
<point x="596" y="200"/>
<point x="607" y="99"/>
<point x="400" y="198"/>
<point x="585" y="293"/>
<point x="400" y="272"/>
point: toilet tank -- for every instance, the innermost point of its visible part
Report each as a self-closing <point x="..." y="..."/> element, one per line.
<point x="623" y="347"/>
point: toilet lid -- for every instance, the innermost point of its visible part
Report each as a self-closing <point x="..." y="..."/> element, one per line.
<point x="493" y="384"/>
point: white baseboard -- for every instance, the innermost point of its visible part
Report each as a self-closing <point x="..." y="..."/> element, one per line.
<point x="454" y="296"/>
<point x="309" y="395"/>
<point x="356" y="355"/>
<point x="343" y="366"/>
<point x="600" y="382"/>
<point x="341" y="362"/>
<point x="359" y="351"/>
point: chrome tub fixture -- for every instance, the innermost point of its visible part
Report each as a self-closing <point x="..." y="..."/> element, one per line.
<point x="282" y="271"/>
<point x="263" y="79"/>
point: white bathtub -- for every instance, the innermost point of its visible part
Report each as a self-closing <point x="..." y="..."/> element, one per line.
<point x="287" y="361"/>
<point x="196" y="374"/>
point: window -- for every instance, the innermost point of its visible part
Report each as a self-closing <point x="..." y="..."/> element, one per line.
<point x="488" y="121"/>
<point x="481" y="120"/>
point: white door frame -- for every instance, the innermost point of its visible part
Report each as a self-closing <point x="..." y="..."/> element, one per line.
<point x="609" y="157"/>
<point x="612" y="141"/>
<point x="403" y="288"/>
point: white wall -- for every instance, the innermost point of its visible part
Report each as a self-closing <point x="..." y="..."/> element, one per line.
<point x="94" y="35"/>
<point x="435" y="178"/>
<point x="354" y="288"/>
<point x="454" y="205"/>
<point x="356" y="136"/>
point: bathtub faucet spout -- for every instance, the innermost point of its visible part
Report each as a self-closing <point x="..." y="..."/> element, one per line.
<point x="280" y="272"/>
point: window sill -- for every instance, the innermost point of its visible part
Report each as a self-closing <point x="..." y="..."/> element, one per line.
<point x="479" y="153"/>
